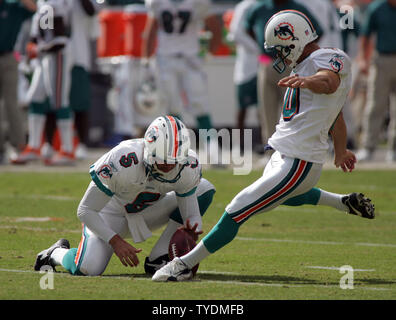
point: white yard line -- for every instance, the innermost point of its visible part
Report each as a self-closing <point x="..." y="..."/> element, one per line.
<point x="219" y="272"/>
<point x="337" y="268"/>
<point x="37" y="219"/>
<point x="236" y="238"/>
<point x="16" y="271"/>
<point x="39" y="197"/>
<point x="318" y="242"/>
<point x="40" y="229"/>
<point x="375" y="244"/>
<point x="237" y="283"/>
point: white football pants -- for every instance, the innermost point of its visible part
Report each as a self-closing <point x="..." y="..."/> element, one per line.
<point x="182" y="81"/>
<point x="283" y="178"/>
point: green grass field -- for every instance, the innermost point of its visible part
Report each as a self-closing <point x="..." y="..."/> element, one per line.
<point x="288" y="253"/>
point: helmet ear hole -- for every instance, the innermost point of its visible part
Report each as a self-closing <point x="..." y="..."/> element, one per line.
<point x="292" y="46"/>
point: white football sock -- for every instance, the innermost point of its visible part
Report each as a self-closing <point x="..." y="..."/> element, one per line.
<point x="196" y="255"/>
<point x="57" y="256"/>
<point x="36" y="123"/>
<point x="162" y="245"/>
<point x="332" y="200"/>
<point x="66" y="134"/>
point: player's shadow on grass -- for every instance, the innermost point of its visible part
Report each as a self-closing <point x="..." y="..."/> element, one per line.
<point x="375" y="281"/>
<point x="274" y="279"/>
<point x="287" y="280"/>
<point x="265" y="280"/>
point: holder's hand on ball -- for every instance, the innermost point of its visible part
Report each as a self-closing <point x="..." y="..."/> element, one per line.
<point x="192" y="230"/>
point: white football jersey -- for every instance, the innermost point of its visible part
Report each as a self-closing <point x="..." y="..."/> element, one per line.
<point x="247" y="50"/>
<point x="84" y="28"/>
<point x="179" y="23"/>
<point x="42" y="23"/>
<point x="121" y="173"/>
<point x="307" y="117"/>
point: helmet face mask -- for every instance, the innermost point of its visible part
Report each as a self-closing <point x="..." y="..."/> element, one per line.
<point x="166" y="143"/>
<point x="282" y="52"/>
<point x="171" y="176"/>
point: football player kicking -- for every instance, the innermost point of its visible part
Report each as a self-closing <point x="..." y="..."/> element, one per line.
<point x="316" y="91"/>
<point x="137" y="187"/>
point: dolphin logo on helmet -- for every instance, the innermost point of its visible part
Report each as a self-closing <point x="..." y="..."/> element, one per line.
<point x="152" y="134"/>
<point x="285" y="31"/>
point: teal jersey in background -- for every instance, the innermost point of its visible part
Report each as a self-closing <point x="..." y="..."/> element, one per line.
<point x="12" y="15"/>
<point x="380" y="19"/>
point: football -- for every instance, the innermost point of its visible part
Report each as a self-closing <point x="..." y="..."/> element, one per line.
<point x="180" y="244"/>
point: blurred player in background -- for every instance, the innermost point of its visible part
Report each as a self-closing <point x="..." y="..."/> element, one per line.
<point x="50" y="87"/>
<point x="316" y="92"/>
<point x="380" y="21"/>
<point x="350" y="29"/>
<point x="175" y="26"/>
<point x="12" y="16"/>
<point x="139" y="186"/>
<point x="326" y="15"/>
<point x="122" y="97"/>
<point x="85" y="29"/>
<point x="246" y="63"/>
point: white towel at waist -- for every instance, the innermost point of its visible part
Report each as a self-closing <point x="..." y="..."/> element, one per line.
<point x="138" y="227"/>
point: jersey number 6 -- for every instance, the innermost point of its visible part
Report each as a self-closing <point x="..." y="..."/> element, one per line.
<point x="142" y="201"/>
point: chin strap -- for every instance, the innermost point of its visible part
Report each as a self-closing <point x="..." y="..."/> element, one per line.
<point x="159" y="176"/>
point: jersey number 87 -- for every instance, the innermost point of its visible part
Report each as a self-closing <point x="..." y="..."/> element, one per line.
<point x="168" y="20"/>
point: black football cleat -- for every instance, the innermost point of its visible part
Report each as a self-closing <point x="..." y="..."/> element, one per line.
<point x="359" y="205"/>
<point x="150" y="267"/>
<point x="43" y="258"/>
